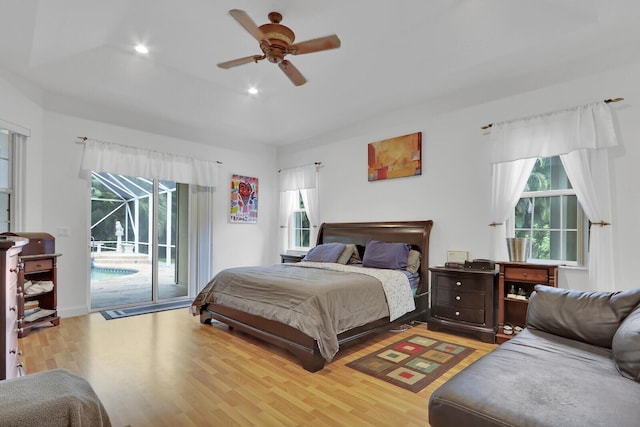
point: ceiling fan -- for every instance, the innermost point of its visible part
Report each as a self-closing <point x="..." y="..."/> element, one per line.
<point x="276" y="42"/>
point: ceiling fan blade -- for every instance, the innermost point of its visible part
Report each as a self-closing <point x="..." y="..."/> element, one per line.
<point x="240" y="61"/>
<point x="292" y="72"/>
<point x="248" y="24"/>
<point x="315" y="45"/>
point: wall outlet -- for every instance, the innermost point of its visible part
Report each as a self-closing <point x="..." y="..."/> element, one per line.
<point x="63" y="232"/>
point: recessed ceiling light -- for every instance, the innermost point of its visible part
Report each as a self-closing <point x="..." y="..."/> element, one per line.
<point x="253" y="91"/>
<point x="142" y="49"/>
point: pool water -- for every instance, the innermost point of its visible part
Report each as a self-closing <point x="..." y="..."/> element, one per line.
<point x="101" y="273"/>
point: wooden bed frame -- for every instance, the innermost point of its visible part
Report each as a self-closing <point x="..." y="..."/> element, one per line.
<point x="305" y="348"/>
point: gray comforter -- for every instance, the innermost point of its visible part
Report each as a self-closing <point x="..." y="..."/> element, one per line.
<point x="321" y="303"/>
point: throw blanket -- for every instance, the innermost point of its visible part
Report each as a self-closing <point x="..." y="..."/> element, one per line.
<point x="320" y="299"/>
<point x="50" y="398"/>
<point x="394" y="283"/>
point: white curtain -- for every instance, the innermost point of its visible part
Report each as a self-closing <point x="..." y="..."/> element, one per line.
<point x="100" y="156"/>
<point x="507" y="181"/>
<point x="19" y="178"/>
<point x="580" y="136"/>
<point x="305" y="180"/>
<point x="588" y="171"/>
<point x="546" y="135"/>
<point x="287" y="205"/>
<point x="200" y="236"/>
<point x="310" y="200"/>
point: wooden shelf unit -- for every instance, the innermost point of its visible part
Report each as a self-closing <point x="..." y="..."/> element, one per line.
<point x="524" y="276"/>
<point x="39" y="267"/>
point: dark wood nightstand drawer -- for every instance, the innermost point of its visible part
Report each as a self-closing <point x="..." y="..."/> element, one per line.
<point x="463" y="282"/>
<point x="464" y="300"/>
<point x="455" y="297"/>
<point x="526" y="274"/>
<point x="460" y="314"/>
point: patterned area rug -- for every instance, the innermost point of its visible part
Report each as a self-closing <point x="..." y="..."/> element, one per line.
<point x="413" y="363"/>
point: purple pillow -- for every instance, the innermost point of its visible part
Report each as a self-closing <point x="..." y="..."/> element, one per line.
<point x="385" y="255"/>
<point x="328" y="252"/>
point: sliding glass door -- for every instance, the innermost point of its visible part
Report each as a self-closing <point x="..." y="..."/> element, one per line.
<point x="137" y="254"/>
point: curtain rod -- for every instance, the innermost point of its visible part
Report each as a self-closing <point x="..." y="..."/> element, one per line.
<point x="606" y="101"/>
<point x="83" y="139"/>
<point x="315" y="163"/>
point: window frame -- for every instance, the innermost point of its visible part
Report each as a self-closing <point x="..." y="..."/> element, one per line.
<point x="300" y="209"/>
<point x="582" y="224"/>
<point x="9" y="190"/>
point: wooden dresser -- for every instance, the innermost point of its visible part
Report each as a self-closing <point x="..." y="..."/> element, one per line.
<point x="10" y="247"/>
<point x="464" y="300"/>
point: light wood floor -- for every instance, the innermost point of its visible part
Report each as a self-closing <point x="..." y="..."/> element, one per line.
<point x="167" y="369"/>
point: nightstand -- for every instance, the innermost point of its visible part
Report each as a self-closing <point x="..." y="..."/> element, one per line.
<point x="464" y="300"/>
<point x="286" y="258"/>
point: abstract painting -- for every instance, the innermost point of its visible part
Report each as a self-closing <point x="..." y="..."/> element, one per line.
<point x="396" y="157"/>
<point x="244" y="199"/>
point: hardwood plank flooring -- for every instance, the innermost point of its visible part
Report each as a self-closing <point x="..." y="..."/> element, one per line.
<point x="167" y="369"/>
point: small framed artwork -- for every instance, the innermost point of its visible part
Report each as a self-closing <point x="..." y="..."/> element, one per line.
<point x="244" y="199"/>
<point x="396" y="157"/>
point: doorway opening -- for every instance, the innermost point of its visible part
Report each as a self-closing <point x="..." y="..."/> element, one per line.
<point x="138" y="241"/>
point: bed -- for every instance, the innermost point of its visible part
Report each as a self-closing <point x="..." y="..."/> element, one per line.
<point x="288" y="334"/>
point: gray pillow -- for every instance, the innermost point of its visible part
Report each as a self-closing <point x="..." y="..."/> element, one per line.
<point x="328" y="252"/>
<point x="348" y="254"/>
<point x="413" y="261"/>
<point x="591" y="317"/>
<point x="626" y="346"/>
<point x="379" y="254"/>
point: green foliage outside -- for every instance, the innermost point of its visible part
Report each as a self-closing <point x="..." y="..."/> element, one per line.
<point x="534" y="216"/>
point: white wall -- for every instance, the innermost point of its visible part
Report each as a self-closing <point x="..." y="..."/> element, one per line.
<point x="20" y="104"/>
<point x="454" y="188"/>
<point x="66" y="197"/>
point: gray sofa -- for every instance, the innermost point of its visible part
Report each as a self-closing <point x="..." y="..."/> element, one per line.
<point x="576" y="364"/>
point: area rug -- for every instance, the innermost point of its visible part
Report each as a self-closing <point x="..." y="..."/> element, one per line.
<point x="144" y="309"/>
<point x="412" y="363"/>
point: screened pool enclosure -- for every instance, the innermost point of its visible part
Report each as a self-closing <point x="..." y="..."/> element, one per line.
<point x="137" y="255"/>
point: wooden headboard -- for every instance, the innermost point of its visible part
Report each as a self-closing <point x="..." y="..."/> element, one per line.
<point x="414" y="233"/>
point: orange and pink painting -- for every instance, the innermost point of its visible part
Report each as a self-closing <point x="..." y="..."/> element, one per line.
<point x="396" y="157"/>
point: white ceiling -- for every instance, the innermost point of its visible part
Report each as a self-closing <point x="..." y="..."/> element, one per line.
<point x="394" y="54"/>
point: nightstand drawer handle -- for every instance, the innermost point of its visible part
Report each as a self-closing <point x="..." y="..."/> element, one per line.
<point x="458" y="283"/>
<point x="458" y="298"/>
<point x="457" y="313"/>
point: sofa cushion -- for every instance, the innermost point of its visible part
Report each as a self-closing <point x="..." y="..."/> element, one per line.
<point x="626" y="346"/>
<point x="591" y="317"/>
<point x="538" y="379"/>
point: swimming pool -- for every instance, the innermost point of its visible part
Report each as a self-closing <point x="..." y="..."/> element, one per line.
<point x="103" y="273"/>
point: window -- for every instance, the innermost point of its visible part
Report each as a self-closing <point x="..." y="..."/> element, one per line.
<point x="301" y="229"/>
<point x="5" y="180"/>
<point x="549" y="214"/>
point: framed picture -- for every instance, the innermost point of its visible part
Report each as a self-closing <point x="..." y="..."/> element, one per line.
<point x="396" y="157"/>
<point x="244" y="199"/>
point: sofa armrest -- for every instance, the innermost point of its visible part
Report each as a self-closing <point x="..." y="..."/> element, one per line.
<point x="591" y="317"/>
